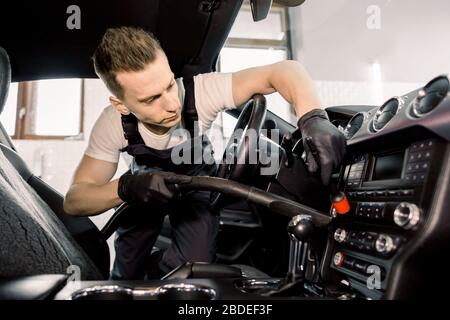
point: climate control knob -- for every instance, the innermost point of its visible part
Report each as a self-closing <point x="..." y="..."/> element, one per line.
<point x="384" y="244"/>
<point x="338" y="259"/>
<point x="340" y="235"/>
<point x="406" y="215"/>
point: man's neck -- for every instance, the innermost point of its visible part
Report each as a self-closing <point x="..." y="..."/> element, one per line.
<point x="156" y="129"/>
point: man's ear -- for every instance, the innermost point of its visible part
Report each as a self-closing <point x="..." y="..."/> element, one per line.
<point x="119" y="106"/>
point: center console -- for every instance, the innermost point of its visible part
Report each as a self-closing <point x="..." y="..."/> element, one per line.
<point x="389" y="190"/>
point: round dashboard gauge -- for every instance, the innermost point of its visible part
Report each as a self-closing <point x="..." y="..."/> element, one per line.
<point x="354" y="125"/>
<point x="385" y="113"/>
<point x="430" y="96"/>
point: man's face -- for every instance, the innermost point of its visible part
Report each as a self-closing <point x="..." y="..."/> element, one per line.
<point x="152" y="94"/>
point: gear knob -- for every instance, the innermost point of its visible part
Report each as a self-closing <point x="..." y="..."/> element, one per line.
<point x="300" y="228"/>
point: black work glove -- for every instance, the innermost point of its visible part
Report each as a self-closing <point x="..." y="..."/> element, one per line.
<point x="155" y="187"/>
<point x="324" y="144"/>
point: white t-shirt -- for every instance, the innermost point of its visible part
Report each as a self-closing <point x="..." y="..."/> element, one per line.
<point x="213" y="94"/>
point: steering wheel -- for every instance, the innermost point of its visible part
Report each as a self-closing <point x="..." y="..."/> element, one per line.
<point x="240" y="158"/>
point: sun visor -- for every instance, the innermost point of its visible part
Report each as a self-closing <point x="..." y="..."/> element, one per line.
<point x="56" y="39"/>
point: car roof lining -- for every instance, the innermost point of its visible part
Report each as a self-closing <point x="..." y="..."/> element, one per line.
<point x="42" y="47"/>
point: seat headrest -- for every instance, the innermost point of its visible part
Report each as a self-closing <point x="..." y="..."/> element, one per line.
<point x="5" y="77"/>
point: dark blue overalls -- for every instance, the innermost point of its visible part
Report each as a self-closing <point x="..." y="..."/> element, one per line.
<point x="194" y="224"/>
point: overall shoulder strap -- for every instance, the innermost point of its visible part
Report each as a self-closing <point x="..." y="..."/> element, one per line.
<point x="130" y="129"/>
<point x="190" y="115"/>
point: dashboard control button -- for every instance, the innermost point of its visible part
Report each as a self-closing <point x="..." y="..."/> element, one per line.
<point x="340" y="235"/>
<point x="412" y="157"/>
<point x="348" y="262"/>
<point x="420" y="155"/>
<point x="352" y="183"/>
<point x="368" y="245"/>
<point x="380" y="193"/>
<point x="338" y="259"/>
<point x="424" y="166"/>
<point x="392" y="193"/>
<point x="384" y="244"/>
<point x="406" y="215"/>
<point x="370" y="237"/>
<point x="378" y="211"/>
<point x="407" y="193"/>
<point x="360" y="266"/>
<point x="415" y="146"/>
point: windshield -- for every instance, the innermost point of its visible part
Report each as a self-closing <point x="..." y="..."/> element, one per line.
<point x="363" y="52"/>
<point x="358" y="52"/>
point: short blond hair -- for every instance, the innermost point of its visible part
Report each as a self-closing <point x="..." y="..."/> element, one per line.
<point x="123" y="49"/>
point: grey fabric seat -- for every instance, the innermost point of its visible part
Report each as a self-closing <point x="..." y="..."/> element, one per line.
<point x="33" y="238"/>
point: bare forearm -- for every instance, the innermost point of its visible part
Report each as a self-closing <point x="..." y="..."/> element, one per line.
<point x="295" y="85"/>
<point x="86" y="199"/>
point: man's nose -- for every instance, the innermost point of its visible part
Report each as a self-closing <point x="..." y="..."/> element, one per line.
<point x="172" y="103"/>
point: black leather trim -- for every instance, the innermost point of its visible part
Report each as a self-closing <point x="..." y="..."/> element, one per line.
<point x="114" y="222"/>
<point x="39" y="287"/>
<point x="5" y="138"/>
<point x="17" y="162"/>
<point x="5" y="77"/>
<point x="190" y="115"/>
<point x="197" y="270"/>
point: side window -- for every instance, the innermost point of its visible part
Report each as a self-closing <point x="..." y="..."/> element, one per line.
<point x="50" y="122"/>
<point x="252" y="44"/>
<point x="45" y="109"/>
<point x="8" y="116"/>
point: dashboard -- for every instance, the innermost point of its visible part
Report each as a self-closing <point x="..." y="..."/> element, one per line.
<point x="396" y="178"/>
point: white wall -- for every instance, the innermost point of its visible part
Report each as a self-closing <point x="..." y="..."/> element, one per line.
<point x="332" y="39"/>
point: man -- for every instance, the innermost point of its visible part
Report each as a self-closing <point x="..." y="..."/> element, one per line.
<point x="147" y="106"/>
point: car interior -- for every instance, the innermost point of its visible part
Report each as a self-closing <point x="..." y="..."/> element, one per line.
<point x="281" y="235"/>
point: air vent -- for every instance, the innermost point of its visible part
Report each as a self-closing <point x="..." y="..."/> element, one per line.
<point x="354" y="125"/>
<point x="385" y="113"/>
<point x="430" y="96"/>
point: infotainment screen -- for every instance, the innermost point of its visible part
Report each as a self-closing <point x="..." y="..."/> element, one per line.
<point x="388" y="166"/>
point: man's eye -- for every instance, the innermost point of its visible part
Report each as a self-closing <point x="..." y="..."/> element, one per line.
<point x="150" y="101"/>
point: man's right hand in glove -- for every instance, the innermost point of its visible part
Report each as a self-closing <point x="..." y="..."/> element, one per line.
<point x="324" y="144"/>
<point x="149" y="188"/>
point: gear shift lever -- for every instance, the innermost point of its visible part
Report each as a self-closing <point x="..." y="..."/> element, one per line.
<point x="300" y="229"/>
